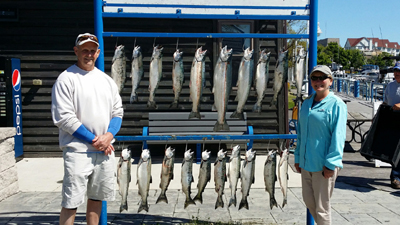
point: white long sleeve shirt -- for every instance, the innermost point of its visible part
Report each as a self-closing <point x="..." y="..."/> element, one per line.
<point x="84" y="97"/>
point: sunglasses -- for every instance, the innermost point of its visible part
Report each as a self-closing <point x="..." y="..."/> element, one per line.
<point x="321" y="78"/>
<point x="86" y="37"/>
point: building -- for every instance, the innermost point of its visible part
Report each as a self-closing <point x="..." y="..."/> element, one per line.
<point x="326" y="41"/>
<point x="42" y="35"/>
<point x="371" y="45"/>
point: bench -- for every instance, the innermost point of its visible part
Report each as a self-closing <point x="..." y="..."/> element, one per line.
<point x="179" y="124"/>
<point x="358" y="119"/>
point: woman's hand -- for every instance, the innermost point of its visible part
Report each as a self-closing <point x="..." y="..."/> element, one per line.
<point x="298" y="169"/>
<point x="327" y="173"/>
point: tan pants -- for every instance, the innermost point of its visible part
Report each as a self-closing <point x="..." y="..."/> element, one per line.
<point x="317" y="192"/>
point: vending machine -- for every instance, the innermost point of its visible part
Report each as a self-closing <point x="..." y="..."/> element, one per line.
<point x="10" y="99"/>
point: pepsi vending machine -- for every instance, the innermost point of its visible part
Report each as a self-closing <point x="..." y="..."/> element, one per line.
<point x="10" y="99"/>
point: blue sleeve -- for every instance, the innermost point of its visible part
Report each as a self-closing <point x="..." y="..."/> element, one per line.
<point x="335" y="153"/>
<point x="115" y="125"/>
<point x="84" y="134"/>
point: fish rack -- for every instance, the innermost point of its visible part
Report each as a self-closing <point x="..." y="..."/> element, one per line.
<point x="221" y="10"/>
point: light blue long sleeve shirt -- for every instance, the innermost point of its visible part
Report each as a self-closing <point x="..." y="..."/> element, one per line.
<point x="321" y="133"/>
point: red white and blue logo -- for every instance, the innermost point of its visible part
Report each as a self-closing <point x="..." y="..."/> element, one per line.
<point x="16" y="80"/>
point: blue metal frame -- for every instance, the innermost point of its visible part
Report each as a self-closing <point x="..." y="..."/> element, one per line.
<point x="313" y="19"/>
<point x="203" y="6"/>
<point x="179" y="15"/>
<point x="202" y="35"/>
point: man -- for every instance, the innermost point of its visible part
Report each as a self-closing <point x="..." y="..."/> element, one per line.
<point x="392" y="98"/>
<point x="87" y="109"/>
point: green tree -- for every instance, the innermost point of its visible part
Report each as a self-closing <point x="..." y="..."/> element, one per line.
<point x="378" y="60"/>
<point x="296" y="27"/>
<point x="356" y="58"/>
<point x="322" y="57"/>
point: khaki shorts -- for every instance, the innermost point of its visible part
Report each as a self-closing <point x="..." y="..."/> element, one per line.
<point x="89" y="172"/>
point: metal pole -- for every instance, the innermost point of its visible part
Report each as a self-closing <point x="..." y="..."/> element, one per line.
<point x="313" y="40"/>
<point x="98" y="31"/>
<point x="313" y="61"/>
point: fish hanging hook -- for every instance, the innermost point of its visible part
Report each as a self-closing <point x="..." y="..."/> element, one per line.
<point x="134" y="43"/>
<point x="197" y="44"/>
<point x="116" y="43"/>
<point x="177" y="41"/>
<point x="154" y="41"/>
<point x="186" y="145"/>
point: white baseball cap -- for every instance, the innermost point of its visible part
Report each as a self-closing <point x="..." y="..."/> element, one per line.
<point x="86" y="37"/>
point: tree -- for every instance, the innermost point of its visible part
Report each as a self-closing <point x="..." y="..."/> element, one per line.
<point x="378" y="60"/>
<point x="296" y="27"/>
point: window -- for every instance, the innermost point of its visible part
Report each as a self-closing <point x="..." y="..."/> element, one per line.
<point x="237" y="44"/>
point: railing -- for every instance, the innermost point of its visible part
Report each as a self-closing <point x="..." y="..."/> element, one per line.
<point x="363" y="89"/>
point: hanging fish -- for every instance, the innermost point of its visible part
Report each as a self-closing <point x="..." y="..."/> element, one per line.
<point x="222" y="87"/>
<point x="197" y="82"/>
<point x="155" y="75"/>
<point x="177" y="77"/>
<point x="136" y="72"/>
<point x="261" y="79"/>
<point x="245" y="77"/>
<point x="118" y="67"/>
<point x="280" y="74"/>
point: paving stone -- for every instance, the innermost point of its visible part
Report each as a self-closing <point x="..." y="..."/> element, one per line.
<point x="360" y="218"/>
<point x="290" y="218"/>
<point x="386" y="218"/>
<point x="359" y="208"/>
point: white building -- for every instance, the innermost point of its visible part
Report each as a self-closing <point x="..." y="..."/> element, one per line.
<point x="369" y="45"/>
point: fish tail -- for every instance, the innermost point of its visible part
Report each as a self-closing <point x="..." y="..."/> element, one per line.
<point x="133" y="98"/>
<point x="257" y="108"/>
<point x="244" y="203"/>
<point x="221" y="127"/>
<point x="152" y="104"/>
<point x="284" y="203"/>
<point x="189" y="201"/>
<point x="272" y="202"/>
<point x="232" y="201"/>
<point x="199" y="197"/>
<point x="238" y="115"/>
<point x="194" y="115"/>
<point x="219" y="203"/>
<point x="174" y="104"/>
<point x="123" y="207"/>
<point x="143" y="206"/>
<point x="162" y="198"/>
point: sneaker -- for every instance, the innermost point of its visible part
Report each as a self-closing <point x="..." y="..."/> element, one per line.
<point x="395" y="184"/>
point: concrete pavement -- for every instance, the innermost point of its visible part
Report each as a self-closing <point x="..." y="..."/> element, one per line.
<point x="362" y="195"/>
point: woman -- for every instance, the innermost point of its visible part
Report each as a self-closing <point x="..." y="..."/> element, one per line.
<point x="321" y="134"/>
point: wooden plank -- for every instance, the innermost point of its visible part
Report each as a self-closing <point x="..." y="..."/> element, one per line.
<point x="194" y="123"/>
<point x="185" y="116"/>
<point x="189" y="129"/>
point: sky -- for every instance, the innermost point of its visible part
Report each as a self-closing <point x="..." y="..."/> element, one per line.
<point x="359" y="18"/>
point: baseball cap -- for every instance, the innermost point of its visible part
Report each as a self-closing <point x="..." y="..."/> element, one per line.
<point x="86" y="37"/>
<point x="322" y="68"/>
<point x="397" y="65"/>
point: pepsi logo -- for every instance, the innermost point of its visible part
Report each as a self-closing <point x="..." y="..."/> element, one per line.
<point x="16" y="80"/>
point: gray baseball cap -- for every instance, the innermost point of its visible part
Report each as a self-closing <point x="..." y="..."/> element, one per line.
<point x="322" y="68"/>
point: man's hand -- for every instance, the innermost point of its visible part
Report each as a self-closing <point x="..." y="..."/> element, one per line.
<point x="327" y="173"/>
<point x="396" y="106"/>
<point x="103" y="143"/>
<point x="298" y="169"/>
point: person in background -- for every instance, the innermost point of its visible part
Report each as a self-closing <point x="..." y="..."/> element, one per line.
<point x="392" y="98"/>
<point x="87" y="109"/>
<point x="321" y="134"/>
